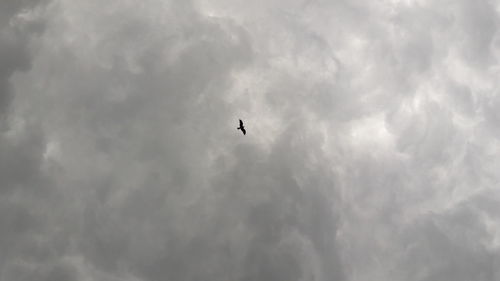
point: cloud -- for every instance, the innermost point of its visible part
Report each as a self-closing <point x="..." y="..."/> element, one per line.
<point x="25" y="190"/>
<point x="371" y="151"/>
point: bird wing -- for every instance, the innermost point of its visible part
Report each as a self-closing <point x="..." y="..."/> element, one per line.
<point x="241" y="123"/>
<point x="244" y="131"/>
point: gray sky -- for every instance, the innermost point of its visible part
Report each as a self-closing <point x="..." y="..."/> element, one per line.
<point x="372" y="146"/>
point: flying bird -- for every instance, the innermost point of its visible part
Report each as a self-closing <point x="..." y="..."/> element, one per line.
<point x="242" y="128"/>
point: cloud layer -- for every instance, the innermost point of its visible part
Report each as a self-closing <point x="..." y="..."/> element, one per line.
<point x="371" y="154"/>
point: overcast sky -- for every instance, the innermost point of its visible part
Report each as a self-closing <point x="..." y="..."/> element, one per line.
<point x="372" y="150"/>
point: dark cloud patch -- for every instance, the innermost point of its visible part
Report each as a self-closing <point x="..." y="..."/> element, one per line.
<point x="450" y="247"/>
<point x="23" y="219"/>
<point x="14" y="37"/>
<point x="21" y="159"/>
<point x="58" y="271"/>
<point x="479" y="24"/>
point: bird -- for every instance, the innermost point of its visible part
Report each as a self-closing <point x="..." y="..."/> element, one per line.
<point x="242" y="128"/>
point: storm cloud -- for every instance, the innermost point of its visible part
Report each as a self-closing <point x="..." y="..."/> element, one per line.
<point x="371" y="153"/>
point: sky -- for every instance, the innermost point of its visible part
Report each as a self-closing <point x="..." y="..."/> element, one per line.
<point x="372" y="149"/>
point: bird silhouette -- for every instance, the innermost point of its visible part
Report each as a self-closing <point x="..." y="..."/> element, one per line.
<point x="242" y="128"/>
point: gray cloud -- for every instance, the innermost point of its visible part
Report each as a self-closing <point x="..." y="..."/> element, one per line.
<point x="371" y="155"/>
<point x="25" y="189"/>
